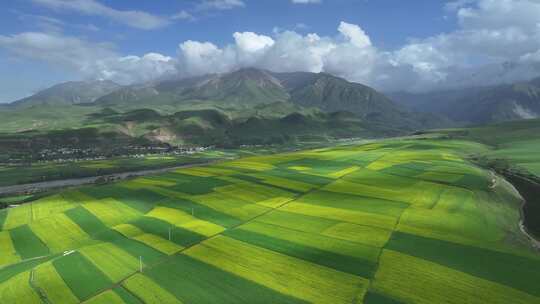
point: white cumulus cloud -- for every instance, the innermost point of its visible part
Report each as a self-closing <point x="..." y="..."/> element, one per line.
<point x="496" y="41"/>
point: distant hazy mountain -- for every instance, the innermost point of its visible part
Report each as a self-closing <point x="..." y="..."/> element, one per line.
<point x="479" y="105"/>
<point x="68" y="93"/>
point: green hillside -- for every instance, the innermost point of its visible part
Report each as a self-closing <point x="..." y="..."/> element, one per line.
<point x="516" y="142"/>
<point x="112" y="132"/>
<point x="396" y="221"/>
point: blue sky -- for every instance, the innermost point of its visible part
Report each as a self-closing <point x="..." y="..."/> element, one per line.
<point x="384" y="43"/>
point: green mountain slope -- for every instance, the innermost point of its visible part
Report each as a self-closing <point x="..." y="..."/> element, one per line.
<point x="69" y="93"/>
<point x="248" y="106"/>
<point x="250" y="87"/>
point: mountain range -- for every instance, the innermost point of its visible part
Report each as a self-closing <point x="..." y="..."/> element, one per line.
<point x="245" y="106"/>
<point x="253" y="106"/>
<point x="478" y="105"/>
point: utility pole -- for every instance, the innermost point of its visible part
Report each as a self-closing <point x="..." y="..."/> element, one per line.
<point x="140" y="264"/>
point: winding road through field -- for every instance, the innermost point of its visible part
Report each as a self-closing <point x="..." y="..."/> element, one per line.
<point x="56" y="184"/>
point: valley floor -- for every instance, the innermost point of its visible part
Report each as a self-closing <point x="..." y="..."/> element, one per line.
<point x="395" y="221"/>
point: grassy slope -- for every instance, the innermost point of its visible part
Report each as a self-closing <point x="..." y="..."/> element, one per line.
<point x="515" y="141"/>
<point x="397" y="221"/>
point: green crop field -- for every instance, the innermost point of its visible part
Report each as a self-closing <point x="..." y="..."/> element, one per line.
<point x="394" y="221"/>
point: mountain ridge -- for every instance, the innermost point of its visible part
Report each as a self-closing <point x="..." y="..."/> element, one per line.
<point x="479" y="105"/>
<point x="68" y="93"/>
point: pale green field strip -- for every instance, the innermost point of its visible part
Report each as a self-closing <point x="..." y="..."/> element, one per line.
<point x="111" y="212"/>
<point x="135" y="248"/>
<point x="50" y="206"/>
<point x="414" y="280"/>
<point x="8" y="254"/>
<point x="165" y="230"/>
<point x="193" y="281"/>
<point x="361" y="234"/>
<point x="285" y="183"/>
<point x="148" y="291"/>
<point x="184" y="220"/>
<point x="519" y="272"/>
<point x="344" y="256"/>
<point x="299" y="168"/>
<point x="308" y="281"/>
<point x="297" y="221"/>
<point x="201" y="211"/>
<point x="377" y="178"/>
<point x="17" y="290"/>
<point x="158" y="243"/>
<point x="354" y="202"/>
<point x="324" y="243"/>
<point x="108" y="297"/>
<point x="392" y="187"/>
<point x="18" y="216"/>
<point x="229" y="205"/>
<point x="400" y="157"/>
<point x="128" y="230"/>
<point x="472" y="225"/>
<point x="349" y="216"/>
<point x="47" y="280"/>
<point x="59" y="233"/>
<point x="195" y="172"/>
<point x="275" y="202"/>
<point x="304" y="178"/>
<point x="341" y="173"/>
<point x="151" y="240"/>
<point x="36" y="210"/>
<point x="382" y="191"/>
<point x="253" y="193"/>
<point x="114" y="262"/>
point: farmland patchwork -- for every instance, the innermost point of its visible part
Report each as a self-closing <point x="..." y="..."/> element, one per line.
<point x="395" y="221"/>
